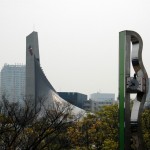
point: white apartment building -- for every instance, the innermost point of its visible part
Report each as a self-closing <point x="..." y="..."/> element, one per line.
<point x="93" y="106"/>
<point x="97" y="100"/>
<point x="102" y="97"/>
<point x="13" y="82"/>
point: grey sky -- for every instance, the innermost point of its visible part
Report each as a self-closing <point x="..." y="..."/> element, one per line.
<point x="78" y="39"/>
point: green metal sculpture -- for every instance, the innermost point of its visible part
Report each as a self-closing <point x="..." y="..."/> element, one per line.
<point x="130" y="52"/>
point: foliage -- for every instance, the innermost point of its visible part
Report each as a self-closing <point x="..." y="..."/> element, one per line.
<point x="96" y="131"/>
<point x="146" y="127"/>
<point x="110" y="144"/>
<point x="23" y="127"/>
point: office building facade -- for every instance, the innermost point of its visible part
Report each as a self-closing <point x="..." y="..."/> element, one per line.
<point x="98" y="100"/>
<point x="74" y="98"/>
<point x="13" y="82"/>
<point x="93" y="106"/>
<point x="102" y="96"/>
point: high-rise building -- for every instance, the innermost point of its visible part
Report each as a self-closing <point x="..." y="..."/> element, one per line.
<point x="13" y="82"/>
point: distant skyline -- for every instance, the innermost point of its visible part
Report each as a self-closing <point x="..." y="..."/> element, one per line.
<point x="78" y="39"/>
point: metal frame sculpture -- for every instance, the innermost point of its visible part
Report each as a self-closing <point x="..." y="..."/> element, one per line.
<point x="130" y="51"/>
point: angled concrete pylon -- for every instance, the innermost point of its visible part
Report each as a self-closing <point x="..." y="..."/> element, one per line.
<point x="37" y="85"/>
<point x="130" y="52"/>
<point x="32" y="52"/>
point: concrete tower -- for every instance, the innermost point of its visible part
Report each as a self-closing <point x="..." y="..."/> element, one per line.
<point x="32" y="52"/>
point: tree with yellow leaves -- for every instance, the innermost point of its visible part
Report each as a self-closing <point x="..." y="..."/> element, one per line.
<point x="146" y="127"/>
<point x="96" y="131"/>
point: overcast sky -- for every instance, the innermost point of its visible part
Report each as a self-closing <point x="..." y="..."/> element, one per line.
<point x="78" y="39"/>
